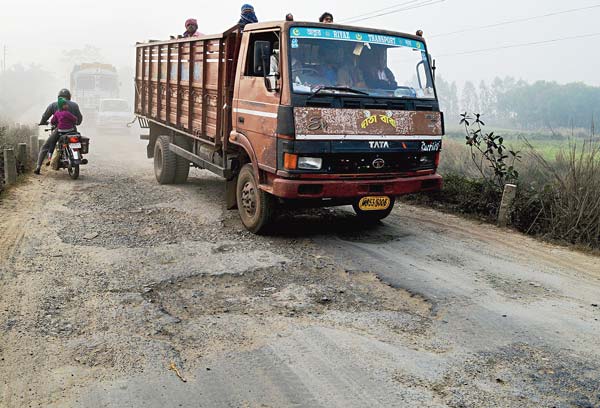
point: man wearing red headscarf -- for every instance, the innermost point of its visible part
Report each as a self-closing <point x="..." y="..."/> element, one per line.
<point x="191" y="28"/>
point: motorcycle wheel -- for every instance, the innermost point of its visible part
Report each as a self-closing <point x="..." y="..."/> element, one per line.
<point x="74" y="171"/>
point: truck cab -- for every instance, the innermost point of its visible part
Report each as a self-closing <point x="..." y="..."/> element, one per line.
<point x="305" y="114"/>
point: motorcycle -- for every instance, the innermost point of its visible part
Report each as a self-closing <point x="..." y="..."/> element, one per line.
<point x="69" y="151"/>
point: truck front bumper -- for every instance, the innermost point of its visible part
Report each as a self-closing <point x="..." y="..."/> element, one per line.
<point x="350" y="188"/>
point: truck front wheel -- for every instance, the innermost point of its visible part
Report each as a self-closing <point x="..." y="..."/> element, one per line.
<point x="255" y="206"/>
<point x="373" y="215"/>
<point x="165" y="161"/>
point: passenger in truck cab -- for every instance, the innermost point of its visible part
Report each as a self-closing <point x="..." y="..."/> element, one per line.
<point x="350" y="73"/>
<point x="248" y="16"/>
<point x="191" y="28"/>
<point x="274" y="60"/>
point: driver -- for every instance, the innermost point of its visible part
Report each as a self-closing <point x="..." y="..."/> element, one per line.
<point x="53" y="138"/>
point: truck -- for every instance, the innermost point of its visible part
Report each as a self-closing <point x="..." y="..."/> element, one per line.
<point x="90" y="84"/>
<point x="294" y="114"/>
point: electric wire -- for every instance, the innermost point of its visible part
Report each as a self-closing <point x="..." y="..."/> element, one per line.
<point x="380" y="10"/>
<point x="554" y="40"/>
<point x="415" y="6"/>
<point x="519" y="20"/>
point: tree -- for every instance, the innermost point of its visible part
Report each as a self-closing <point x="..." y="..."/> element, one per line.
<point x="469" y="100"/>
<point x="88" y="53"/>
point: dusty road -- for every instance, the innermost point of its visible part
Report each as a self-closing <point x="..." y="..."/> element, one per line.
<point x="109" y="281"/>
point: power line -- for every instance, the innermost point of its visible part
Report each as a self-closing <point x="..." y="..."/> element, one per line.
<point x="415" y="6"/>
<point x="380" y="10"/>
<point x="520" y="20"/>
<point x="521" y="45"/>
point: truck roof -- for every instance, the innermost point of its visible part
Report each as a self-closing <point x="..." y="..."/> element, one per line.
<point x="286" y="25"/>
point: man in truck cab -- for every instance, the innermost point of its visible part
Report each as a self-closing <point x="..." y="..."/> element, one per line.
<point x="377" y="74"/>
<point x="53" y="138"/>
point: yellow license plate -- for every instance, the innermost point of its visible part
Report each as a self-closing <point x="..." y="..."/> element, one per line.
<point x="374" y="203"/>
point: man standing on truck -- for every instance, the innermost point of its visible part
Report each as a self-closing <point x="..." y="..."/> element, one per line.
<point x="53" y="138"/>
<point x="248" y="16"/>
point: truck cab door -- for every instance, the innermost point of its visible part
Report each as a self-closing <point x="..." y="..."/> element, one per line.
<point x="255" y="107"/>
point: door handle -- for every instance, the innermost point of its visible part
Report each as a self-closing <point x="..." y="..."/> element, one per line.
<point x="241" y="119"/>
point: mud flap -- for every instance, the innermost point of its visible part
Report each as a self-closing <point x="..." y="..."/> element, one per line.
<point x="230" y="194"/>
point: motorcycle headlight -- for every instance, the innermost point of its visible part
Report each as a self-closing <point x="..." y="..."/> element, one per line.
<point x="310" y="163"/>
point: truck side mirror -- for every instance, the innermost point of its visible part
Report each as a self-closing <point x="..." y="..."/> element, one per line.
<point x="262" y="50"/>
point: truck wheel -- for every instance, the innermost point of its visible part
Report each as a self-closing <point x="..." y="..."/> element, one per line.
<point x="165" y="161"/>
<point x="182" y="166"/>
<point x="373" y="216"/>
<point x="255" y="206"/>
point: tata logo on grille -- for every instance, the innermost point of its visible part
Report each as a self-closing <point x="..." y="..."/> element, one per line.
<point x="379" y="145"/>
<point x="379" y="163"/>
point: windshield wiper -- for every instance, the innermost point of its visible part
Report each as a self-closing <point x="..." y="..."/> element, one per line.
<point x="337" y="88"/>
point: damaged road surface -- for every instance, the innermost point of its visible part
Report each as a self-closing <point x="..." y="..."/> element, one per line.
<point x="118" y="292"/>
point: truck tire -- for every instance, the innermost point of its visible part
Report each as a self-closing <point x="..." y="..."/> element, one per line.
<point x="165" y="161"/>
<point x="373" y="216"/>
<point x="256" y="207"/>
<point x="182" y="166"/>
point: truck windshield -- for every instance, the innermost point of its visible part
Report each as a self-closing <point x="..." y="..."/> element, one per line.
<point x="378" y="65"/>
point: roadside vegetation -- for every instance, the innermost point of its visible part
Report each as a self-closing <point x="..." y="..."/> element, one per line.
<point x="558" y="195"/>
<point x="10" y="136"/>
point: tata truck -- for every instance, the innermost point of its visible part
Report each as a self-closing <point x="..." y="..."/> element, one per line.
<point x="294" y="114"/>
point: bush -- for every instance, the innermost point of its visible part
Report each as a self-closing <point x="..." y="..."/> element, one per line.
<point x="558" y="199"/>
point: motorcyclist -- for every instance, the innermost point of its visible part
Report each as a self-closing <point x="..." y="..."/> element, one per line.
<point x="53" y="138"/>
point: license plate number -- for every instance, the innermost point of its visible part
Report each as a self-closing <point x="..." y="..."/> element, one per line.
<point x="374" y="203"/>
<point x="75" y="145"/>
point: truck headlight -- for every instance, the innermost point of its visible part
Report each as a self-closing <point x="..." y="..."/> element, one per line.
<point x="310" y="163"/>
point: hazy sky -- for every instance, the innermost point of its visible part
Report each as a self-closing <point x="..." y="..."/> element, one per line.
<point x="37" y="31"/>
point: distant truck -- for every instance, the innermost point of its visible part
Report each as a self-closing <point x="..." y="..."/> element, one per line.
<point x="113" y="115"/>
<point x="91" y="83"/>
<point x="294" y="114"/>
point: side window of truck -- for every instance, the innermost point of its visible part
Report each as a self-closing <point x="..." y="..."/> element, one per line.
<point x="257" y="40"/>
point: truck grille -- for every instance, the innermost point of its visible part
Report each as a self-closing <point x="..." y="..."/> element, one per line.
<point x="378" y="163"/>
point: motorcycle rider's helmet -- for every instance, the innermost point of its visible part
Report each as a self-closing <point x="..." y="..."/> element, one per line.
<point x="64" y="93"/>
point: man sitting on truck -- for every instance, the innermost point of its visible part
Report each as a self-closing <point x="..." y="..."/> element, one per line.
<point x="191" y="28"/>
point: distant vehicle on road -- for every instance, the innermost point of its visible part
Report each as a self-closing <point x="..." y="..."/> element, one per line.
<point x="90" y="84"/>
<point x="113" y="115"/>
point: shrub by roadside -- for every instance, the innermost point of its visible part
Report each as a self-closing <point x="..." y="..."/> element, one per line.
<point x="10" y="136"/>
<point x="557" y="200"/>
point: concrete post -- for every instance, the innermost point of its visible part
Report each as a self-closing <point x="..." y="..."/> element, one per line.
<point x="508" y="198"/>
<point x="34" y="149"/>
<point x="10" y="167"/>
<point x="22" y="157"/>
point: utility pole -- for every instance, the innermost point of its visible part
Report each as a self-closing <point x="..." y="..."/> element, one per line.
<point x="4" y="60"/>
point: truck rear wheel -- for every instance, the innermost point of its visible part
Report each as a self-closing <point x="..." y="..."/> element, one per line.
<point x="165" y="161"/>
<point x="255" y="206"/>
<point x="182" y="166"/>
<point x="373" y="215"/>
